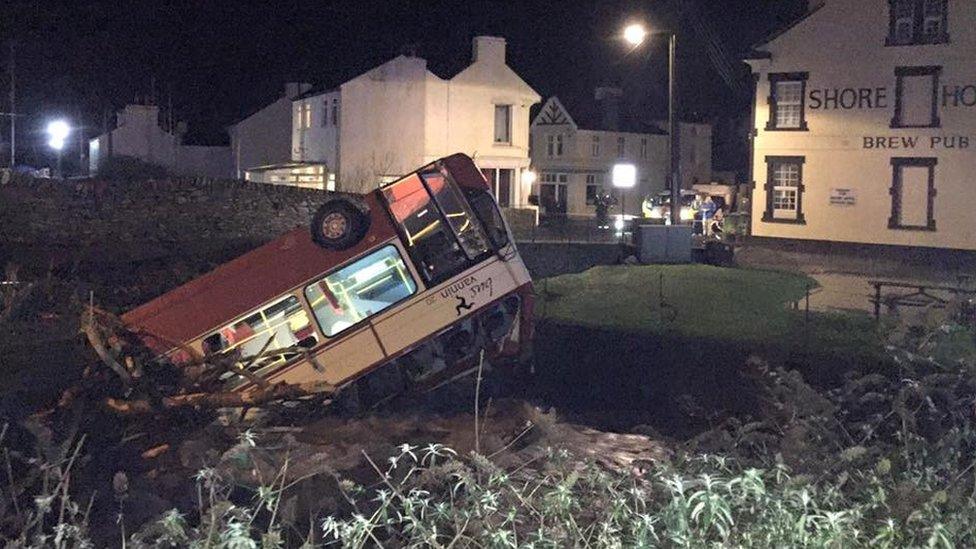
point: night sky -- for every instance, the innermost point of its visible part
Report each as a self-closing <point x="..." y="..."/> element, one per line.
<point x="221" y="60"/>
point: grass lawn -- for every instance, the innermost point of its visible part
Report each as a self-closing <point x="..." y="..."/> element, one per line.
<point x="698" y="301"/>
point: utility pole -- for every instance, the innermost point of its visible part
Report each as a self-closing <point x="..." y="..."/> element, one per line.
<point x="13" y="107"/>
<point x="674" y="131"/>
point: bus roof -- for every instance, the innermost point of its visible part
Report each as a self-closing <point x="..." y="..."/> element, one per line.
<point x="247" y="282"/>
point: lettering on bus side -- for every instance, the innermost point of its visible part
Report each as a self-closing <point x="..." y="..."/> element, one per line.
<point x="459" y="286"/>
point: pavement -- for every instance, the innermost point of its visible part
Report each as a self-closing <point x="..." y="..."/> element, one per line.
<point x="844" y="279"/>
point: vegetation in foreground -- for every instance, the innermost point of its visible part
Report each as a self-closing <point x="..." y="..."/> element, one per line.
<point x="883" y="460"/>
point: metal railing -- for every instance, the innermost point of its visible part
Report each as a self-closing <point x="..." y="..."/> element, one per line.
<point x="907" y="294"/>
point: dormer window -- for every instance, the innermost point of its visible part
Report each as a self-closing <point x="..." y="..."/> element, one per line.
<point x="915" y="22"/>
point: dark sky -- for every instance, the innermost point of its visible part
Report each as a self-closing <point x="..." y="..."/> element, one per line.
<point x="224" y="59"/>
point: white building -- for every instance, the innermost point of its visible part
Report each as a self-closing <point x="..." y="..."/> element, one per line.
<point x="399" y="116"/>
<point x="865" y="120"/>
<point x="262" y="140"/>
<point x="138" y="134"/>
<point x="574" y="157"/>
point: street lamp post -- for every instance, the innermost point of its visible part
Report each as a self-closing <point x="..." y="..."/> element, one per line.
<point x="635" y="35"/>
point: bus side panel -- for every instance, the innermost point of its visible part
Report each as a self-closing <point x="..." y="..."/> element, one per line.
<point x="340" y="361"/>
<point x="446" y="304"/>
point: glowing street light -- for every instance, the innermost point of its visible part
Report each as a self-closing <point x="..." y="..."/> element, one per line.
<point x="634" y="34"/>
<point x="623" y="177"/>
<point x="58" y="131"/>
<point x="528" y="177"/>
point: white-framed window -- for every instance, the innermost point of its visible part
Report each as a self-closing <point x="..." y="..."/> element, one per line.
<point x="503" y="124"/>
<point x="788" y="101"/>
<point x="784" y="189"/>
<point x="595" y="146"/>
<point x="305" y="115"/>
<point x="786" y="183"/>
<point x="554" y="145"/>
<point x="621" y="146"/>
<point x="643" y="147"/>
<point x="551" y="177"/>
<point x="553" y="192"/>
<point x="594" y="187"/>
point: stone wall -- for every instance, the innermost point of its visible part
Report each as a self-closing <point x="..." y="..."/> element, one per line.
<point x="150" y="218"/>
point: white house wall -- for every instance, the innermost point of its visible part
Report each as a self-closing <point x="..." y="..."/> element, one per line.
<point x="399" y="116"/>
<point x="138" y="135"/>
<point x="318" y="142"/>
<point x="841" y="149"/>
<point x="382" y="129"/>
<point x="263" y="138"/>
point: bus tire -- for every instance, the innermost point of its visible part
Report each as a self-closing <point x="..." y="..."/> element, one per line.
<point x="338" y="225"/>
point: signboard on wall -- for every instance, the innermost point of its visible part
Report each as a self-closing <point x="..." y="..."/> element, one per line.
<point x="842" y="197"/>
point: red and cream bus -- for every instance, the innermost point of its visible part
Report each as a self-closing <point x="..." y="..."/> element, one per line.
<point x="417" y="277"/>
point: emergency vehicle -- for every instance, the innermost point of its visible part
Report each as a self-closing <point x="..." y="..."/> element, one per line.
<point x="414" y="280"/>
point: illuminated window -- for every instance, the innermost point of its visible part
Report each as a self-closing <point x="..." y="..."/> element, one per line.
<point x="914" y="22"/>
<point x="784" y="189"/>
<point x="503" y="124"/>
<point x="265" y="339"/>
<point x="786" y="102"/>
<point x="442" y="235"/>
<point x="360" y="290"/>
<point x="305" y="115"/>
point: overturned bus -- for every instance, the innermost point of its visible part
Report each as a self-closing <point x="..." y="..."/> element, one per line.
<point x="402" y="288"/>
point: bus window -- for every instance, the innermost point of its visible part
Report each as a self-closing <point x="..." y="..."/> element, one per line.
<point x="458" y="214"/>
<point x="487" y="212"/>
<point x="282" y="325"/>
<point x="434" y="249"/>
<point x="360" y="290"/>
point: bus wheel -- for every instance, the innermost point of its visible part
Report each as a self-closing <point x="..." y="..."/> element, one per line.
<point x="338" y="225"/>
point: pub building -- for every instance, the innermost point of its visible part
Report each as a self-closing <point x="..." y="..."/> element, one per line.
<point x="865" y="125"/>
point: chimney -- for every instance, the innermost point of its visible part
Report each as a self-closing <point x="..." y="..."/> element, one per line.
<point x="608" y="99"/>
<point x="489" y="49"/>
<point x="294" y="89"/>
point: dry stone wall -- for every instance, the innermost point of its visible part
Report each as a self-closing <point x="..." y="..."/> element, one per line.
<point x="150" y="217"/>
